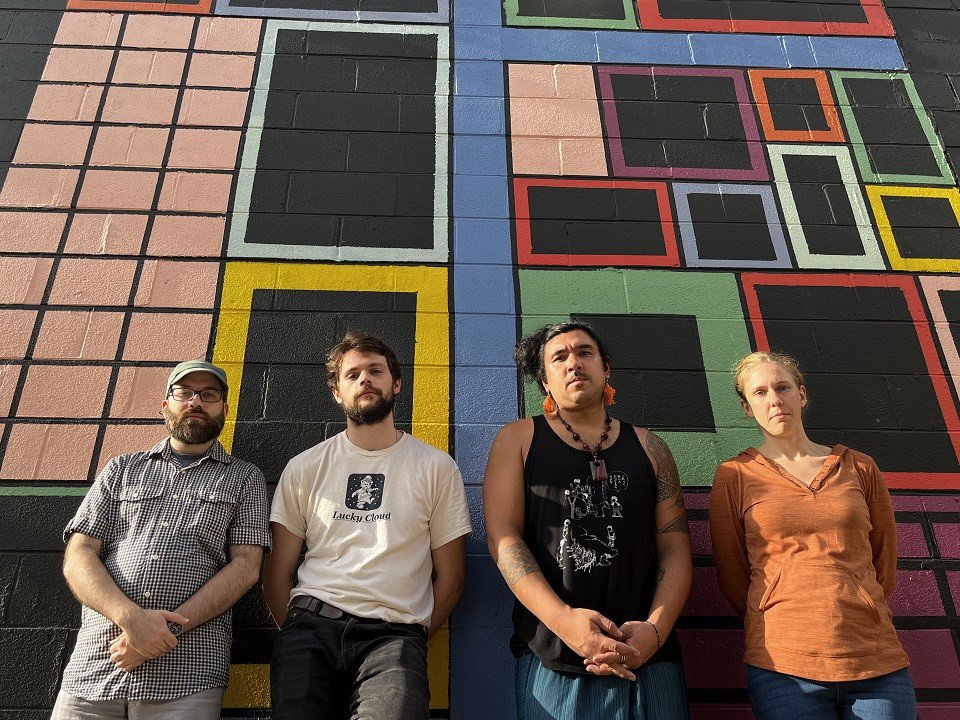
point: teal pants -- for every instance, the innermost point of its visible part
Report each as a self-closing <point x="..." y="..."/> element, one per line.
<point x="659" y="693"/>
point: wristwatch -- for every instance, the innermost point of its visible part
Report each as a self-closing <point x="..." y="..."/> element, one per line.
<point x="176" y="629"/>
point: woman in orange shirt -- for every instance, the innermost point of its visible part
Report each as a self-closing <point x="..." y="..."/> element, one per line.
<point x="806" y="552"/>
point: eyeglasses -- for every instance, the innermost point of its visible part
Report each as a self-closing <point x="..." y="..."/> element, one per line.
<point x="185" y="394"/>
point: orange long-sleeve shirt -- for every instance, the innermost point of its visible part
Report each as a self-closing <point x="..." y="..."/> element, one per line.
<point x="809" y="569"/>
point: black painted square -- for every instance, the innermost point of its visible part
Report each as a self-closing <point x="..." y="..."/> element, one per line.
<point x="34" y="523"/>
<point x="658" y="370"/>
<point x="595" y="221"/>
<point x="399" y="6"/>
<point x="820" y="196"/>
<point x="890" y="128"/>
<point x="285" y="405"/>
<point x="587" y="9"/>
<point x="923" y="227"/>
<point x="680" y="121"/>
<point x="730" y="227"/>
<point x="795" y="104"/>
<point x="771" y="10"/>
<point x="348" y="152"/>
<point x="868" y="383"/>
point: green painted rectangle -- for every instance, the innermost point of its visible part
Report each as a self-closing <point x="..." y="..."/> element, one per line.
<point x="512" y="11"/>
<point x="549" y="296"/>
<point x="856" y="138"/>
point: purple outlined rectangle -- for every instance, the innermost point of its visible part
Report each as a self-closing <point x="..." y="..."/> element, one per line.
<point x="758" y="166"/>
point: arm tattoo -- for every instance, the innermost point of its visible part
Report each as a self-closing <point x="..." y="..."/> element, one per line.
<point x="678" y="524"/>
<point x="668" y="484"/>
<point x="668" y="478"/>
<point x="516" y="562"/>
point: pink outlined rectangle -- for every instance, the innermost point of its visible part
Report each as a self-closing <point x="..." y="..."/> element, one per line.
<point x="758" y="166"/>
<point x="932" y="285"/>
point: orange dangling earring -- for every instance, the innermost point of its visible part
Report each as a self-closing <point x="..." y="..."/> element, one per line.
<point x="608" y="394"/>
<point x="549" y="406"/>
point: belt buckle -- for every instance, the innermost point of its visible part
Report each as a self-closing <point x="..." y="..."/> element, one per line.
<point x="329" y="611"/>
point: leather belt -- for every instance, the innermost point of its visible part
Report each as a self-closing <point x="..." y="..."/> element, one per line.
<point x="324" y="609"/>
<point x="319" y="607"/>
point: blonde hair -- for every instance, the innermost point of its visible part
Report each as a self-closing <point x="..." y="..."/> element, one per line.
<point x="746" y="365"/>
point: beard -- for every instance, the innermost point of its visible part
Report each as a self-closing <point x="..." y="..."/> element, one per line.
<point x="370" y="413"/>
<point x="191" y="428"/>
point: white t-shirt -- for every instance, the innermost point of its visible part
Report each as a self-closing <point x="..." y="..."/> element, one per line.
<point x="370" y="520"/>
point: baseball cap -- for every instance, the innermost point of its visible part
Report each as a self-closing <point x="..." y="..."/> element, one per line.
<point x="192" y="366"/>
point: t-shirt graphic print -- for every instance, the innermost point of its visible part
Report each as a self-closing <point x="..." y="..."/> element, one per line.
<point x="364" y="491"/>
<point x="584" y="540"/>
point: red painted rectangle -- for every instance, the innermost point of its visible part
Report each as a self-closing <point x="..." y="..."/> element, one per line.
<point x="877" y="24"/>
<point x="906" y="284"/>
<point x="199" y="8"/>
<point x="526" y="255"/>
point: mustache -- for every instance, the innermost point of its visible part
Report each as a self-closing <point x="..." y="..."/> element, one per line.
<point x="194" y="412"/>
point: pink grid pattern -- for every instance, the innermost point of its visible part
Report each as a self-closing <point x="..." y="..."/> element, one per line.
<point x="112" y="221"/>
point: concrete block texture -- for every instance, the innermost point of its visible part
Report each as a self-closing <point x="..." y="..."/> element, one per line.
<point x="246" y="180"/>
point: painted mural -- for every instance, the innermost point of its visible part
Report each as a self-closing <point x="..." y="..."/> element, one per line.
<point x="245" y="180"/>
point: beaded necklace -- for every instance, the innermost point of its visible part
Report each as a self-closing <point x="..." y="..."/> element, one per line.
<point x="598" y="468"/>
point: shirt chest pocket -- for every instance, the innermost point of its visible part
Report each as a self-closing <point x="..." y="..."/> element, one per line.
<point x="140" y="505"/>
<point x="207" y="516"/>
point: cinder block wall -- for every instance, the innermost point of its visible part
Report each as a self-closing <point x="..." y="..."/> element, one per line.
<point x="244" y="180"/>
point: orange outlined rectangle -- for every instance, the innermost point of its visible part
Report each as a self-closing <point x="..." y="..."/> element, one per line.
<point x="834" y="131"/>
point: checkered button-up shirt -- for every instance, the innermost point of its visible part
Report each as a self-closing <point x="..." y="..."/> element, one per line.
<point x="165" y="532"/>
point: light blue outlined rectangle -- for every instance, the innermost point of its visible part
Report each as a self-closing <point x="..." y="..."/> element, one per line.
<point x="681" y="195"/>
<point x="238" y="247"/>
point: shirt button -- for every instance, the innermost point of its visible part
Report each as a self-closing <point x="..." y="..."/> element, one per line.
<point x="176" y="497"/>
<point x="213" y="497"/>
<point x="165" y="524"/>
<point x="147" y="594"/>
<point x="154" y="557"/>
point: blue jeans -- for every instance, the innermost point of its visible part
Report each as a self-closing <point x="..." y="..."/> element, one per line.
<point x="660" y="693"/>
<point x="776" y="696"/>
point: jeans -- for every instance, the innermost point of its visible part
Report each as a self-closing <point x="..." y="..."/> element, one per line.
<point x="659" y="693"/>
<point x="325" y="669"/>
<point x="203" y="705"/>
<point x="776" y="696"/>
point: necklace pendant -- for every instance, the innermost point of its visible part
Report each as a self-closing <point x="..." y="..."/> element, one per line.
<point x="598" y="470"/>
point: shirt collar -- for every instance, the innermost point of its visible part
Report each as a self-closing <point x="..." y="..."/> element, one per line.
<point x="835" y="456"/>
<point x="215" y="452"/>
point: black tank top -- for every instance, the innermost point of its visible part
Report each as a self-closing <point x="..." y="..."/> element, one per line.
<point x="593" y="541"/>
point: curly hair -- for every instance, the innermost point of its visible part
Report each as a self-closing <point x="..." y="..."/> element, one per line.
<point x="528" y="353"/>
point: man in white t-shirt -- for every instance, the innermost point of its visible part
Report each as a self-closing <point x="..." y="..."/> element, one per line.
<point x="383" y="518"/>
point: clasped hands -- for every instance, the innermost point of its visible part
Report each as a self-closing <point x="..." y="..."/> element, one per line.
<point x="607" y="649"/>
<point x="144" y="636"/>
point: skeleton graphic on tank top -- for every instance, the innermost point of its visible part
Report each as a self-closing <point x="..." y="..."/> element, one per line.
<point x="586" y="501"/>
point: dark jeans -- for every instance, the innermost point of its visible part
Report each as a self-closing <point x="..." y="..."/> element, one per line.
<point x="776" y="696"/>
<point x="325" y="669"/>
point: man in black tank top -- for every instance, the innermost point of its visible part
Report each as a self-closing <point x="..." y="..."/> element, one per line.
<point x="585" y="519"/>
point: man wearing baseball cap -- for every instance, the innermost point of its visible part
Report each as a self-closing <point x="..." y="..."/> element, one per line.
<point x="162" y="546"/>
